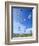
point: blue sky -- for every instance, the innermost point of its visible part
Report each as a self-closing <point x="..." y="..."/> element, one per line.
<point x="22" y="19"/>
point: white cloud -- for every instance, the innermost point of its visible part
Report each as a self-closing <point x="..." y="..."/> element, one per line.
<point x="22" y="28"/>
<point x="29" y="16"/>
<point x="24" y="19"/>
